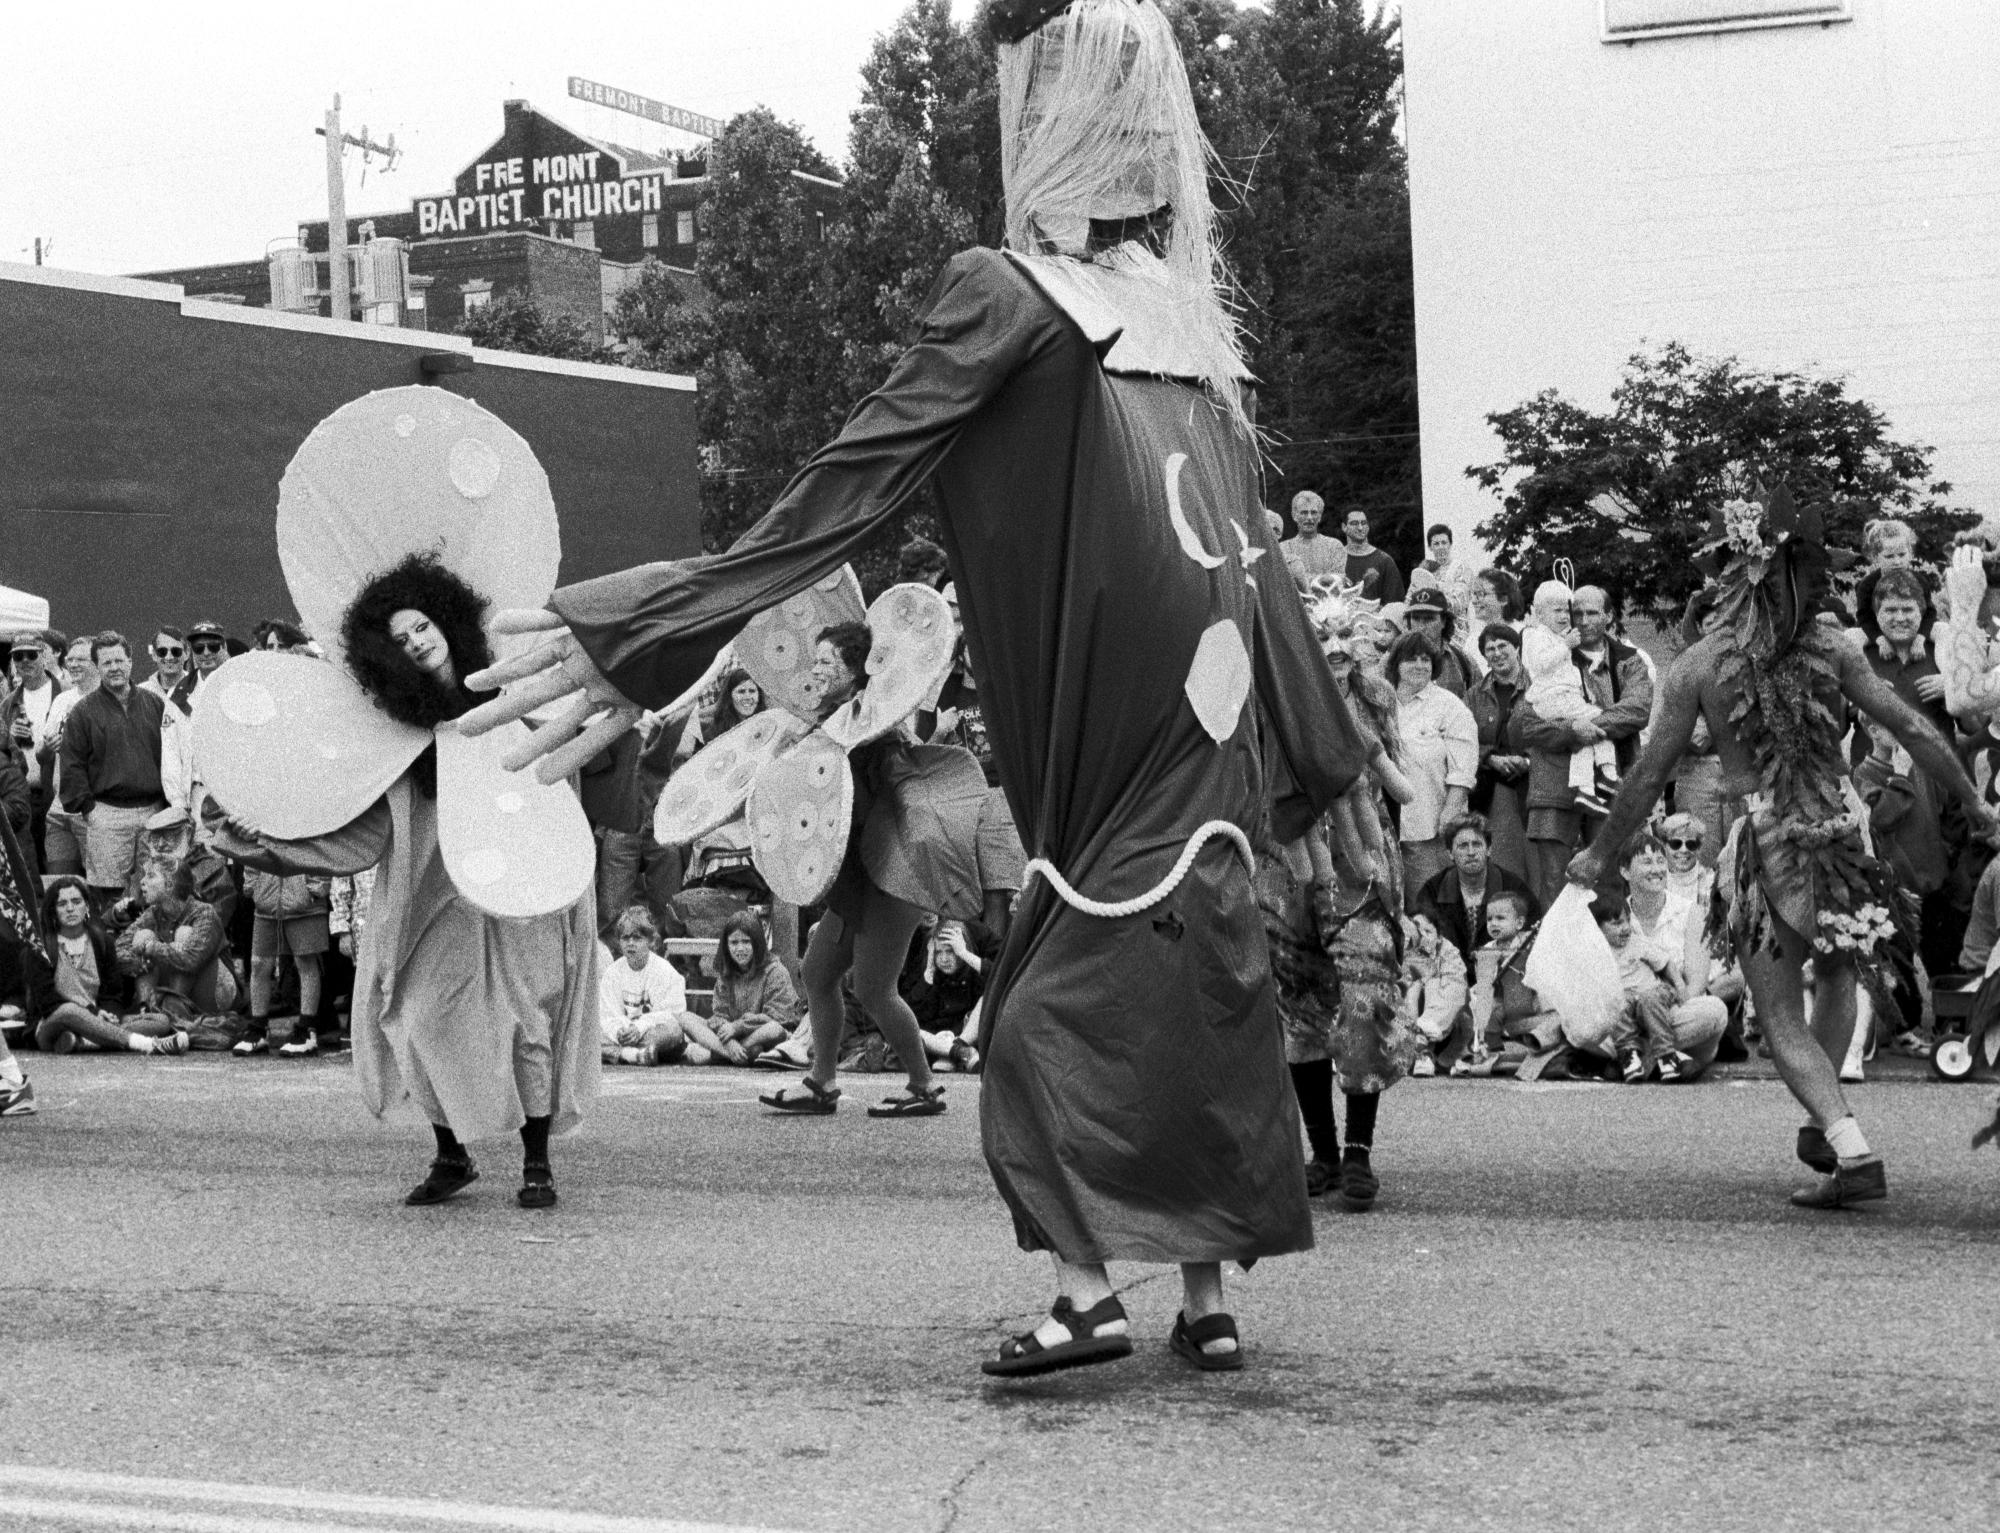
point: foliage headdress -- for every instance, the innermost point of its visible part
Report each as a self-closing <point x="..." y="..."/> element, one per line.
<point x="1767" y="556"/>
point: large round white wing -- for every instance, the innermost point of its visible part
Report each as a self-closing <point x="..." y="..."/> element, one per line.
<point x="711" y="787"/>
<point x="776" y="646"/>
<point x="914" y="639"/>
<point x="798" y="815"/>
<point x="411" y="471"/>
<point x="292" y="746"/>
<point x="513" y="846"/>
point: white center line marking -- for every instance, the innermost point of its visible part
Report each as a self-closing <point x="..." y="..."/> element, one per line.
<point x="85" y="1497"/>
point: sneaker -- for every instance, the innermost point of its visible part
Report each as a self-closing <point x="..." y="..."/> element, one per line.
<point x="1423" y="1065"/>
<point x="302" y="1043"/>
<point x="1853" y="1181"/>
<point x="251" y="1043"/>
<point x="17" y="1101"/>
<point x="631" y="1056"/>
<point x="173" y="1043"/>
<point x="1671" y="1066"/>
<point x="965" y="1056"/>
<point x="1632" y="1065"/>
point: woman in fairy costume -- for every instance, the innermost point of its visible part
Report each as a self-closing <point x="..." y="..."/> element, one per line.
<point x="400" y="519"/>
<point x="1332" y="903"/>
<point x="1802" y="882"/>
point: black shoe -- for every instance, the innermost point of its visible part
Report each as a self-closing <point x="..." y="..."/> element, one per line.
<point x="538" y="1185"/>
<point x="303" y="1043"/>
<point x="251" y="1043"/>
<point x="1816" y="1152"/>
<point x="1321" y="1177"/>
<point x="445" y="1178"/>
<point x="1855" y="1181"/>
<point x="1358" y="1184"/>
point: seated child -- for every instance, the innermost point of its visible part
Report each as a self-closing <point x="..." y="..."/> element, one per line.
<point x="1510" y="1023"/>
<point x="1555" y="691"/>
<point x="642" y="1000"/>
<point x="1642" y="1033"/>
<point x="756" y="1008"/>
<point x="1434" y="992"/>
<point x="946" y="999"/>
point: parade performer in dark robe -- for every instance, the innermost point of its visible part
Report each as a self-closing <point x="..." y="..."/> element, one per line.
<point x="1800" y="881"/>
<point x="1078" y="401"/>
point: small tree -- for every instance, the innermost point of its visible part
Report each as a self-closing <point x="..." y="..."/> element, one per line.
<point x="520" y="324"/>
<point x="1626" y="495"/>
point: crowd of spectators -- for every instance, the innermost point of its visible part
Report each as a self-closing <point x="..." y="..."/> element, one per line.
<point x="1520" y="706"/>
<point x="1509" y="709"/>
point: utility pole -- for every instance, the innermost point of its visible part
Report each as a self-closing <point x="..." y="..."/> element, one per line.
<point x="42" y="248"/>
<point x="339" y="281"/>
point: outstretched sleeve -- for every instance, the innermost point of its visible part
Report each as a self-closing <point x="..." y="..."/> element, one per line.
<point x="653" y="630"/>
<point x="355" y="847"/>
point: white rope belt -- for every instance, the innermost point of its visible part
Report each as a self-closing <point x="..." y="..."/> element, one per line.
<point x="1159" y="891"/>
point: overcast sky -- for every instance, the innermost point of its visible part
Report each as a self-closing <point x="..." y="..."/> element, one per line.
<point x="138" y="137"/>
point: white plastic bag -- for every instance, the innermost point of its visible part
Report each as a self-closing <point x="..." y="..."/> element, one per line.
<point x="1574" y="971"/>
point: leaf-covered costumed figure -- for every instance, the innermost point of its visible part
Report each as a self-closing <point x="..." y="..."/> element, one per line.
<point x="1076" y="401"/>
<point x="1802" y="852"/>
<point x="402" y="521"/>
<point x="1799" y="882"/>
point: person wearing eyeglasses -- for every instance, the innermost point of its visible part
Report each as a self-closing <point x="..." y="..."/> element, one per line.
<point x="24" y="725"/>
<point x="169" y="650"/>
<point x="208" y="647"/>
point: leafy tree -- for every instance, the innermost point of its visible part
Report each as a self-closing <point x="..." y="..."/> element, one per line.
<point x="1626" y="494"/>
<point x="520" y="324"/>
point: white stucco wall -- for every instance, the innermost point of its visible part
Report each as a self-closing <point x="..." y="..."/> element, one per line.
<point x="1821" y="198"/>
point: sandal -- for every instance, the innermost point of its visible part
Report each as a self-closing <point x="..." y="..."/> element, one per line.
<point x="818" y="1102"/>
<point x="443" y="1179"/>
<point x="1321" y="1178"/>
<point x="911" y="1104"/>
<point x="1190" y="1336"/>
<point x="1024" y="1355"/>
<point x="538" y="1185"/>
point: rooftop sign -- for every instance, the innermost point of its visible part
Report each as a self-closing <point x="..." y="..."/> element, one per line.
<point x="646" y="107"/>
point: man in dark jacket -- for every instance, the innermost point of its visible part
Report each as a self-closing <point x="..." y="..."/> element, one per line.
<point x="111" y="767"/>
<point x="1456" y="899"/>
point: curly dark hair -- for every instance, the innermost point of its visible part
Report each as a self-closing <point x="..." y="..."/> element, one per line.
<point x="391" y="678"/>
<point x="850" y="641"/>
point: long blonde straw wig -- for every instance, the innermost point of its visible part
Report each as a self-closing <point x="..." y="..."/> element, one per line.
<point x="1097" y="121"/>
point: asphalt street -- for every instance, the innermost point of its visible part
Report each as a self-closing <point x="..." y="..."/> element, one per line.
<point x="1575" y="1306"/>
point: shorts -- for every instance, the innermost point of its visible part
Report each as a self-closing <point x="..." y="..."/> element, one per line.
<point x="304" y="936"/>
<point x="111" y="835"/>
<point x="1003" y="864"/>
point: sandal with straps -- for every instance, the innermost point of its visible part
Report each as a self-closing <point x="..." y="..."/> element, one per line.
<point x="912" y="1103"/>
<point x="538" y="1185"/>
<point x="1024" y="1355"/>
<point x="1191" y="1336"/>
<point x="818" y="1102"/>
<point x="444" y="1178"/>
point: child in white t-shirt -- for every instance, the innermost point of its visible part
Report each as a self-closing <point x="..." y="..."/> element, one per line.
<point x="642" y="999"/>
<point x="1555" y="691"/>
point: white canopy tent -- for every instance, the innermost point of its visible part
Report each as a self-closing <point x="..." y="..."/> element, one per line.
<point x="20" y="610"/>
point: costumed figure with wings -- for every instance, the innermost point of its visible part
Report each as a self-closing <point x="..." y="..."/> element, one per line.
<point x="1078" y="401"/>
<point x="843" y="808"/>
<point x="402" y="521"/>
<point x="1800" y="880"/>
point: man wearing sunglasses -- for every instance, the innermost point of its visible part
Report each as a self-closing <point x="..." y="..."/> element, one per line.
<point x="24" y="723"/>
<point x="208" y="647"/>
<point x="169" y="663"/>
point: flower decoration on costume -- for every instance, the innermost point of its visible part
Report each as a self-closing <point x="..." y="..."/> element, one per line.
<point x="407" y="488"/>
<point x="786" y="770"/>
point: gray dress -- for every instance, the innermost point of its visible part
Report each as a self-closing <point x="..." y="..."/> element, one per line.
<point x="483" y="1022"/>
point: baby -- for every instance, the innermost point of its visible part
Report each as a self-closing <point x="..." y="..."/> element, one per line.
<point x="1555" y="691"/>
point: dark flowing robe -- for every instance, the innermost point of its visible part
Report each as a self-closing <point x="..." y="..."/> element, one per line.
<point x="1136" y="1102"/>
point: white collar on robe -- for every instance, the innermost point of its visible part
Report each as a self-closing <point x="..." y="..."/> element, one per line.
<point x="1128" y="308"/>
